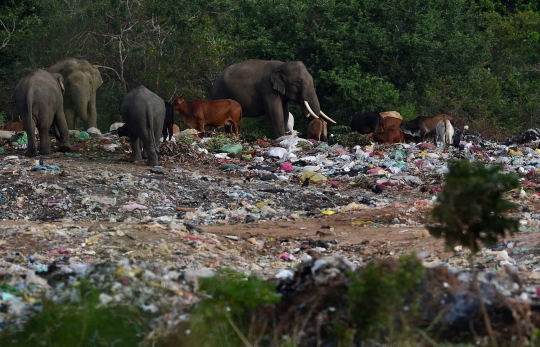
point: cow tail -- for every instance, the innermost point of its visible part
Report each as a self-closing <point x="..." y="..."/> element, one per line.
<point x="239" y="121"/>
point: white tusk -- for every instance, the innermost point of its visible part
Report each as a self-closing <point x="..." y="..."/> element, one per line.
<point x="327" y="118"/>
<point x="310" y="110"/>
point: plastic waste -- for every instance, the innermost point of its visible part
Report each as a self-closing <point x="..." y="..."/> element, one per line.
<point x="353" y="206"/>
<point x="400" y="154"/>
<point x="264" y="203"/>
<point x="276" y="152"/>
<point x="231" y="148"/>
<point x="83" y="135"/>
<point x="314" y="177"/>
<point x="287" y="167"/>
<point x="20" y="138"/>
<point x="45" y="168"/>
<point x="99" y="199"/>
<point x="6" y="135"/>
<point x="228" y="167"/>
<point x="132" y="205"/>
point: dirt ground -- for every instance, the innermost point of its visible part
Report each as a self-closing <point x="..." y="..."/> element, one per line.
<point x="58" y="234"/>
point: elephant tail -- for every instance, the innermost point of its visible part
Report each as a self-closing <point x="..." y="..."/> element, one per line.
<point x="152" y="136"/>
<point x="29" y="111"/>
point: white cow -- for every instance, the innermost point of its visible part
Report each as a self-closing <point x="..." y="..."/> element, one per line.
<point x="115" y="126"/>
<point x="290" y="125"/>
<point x="445" y="132"/>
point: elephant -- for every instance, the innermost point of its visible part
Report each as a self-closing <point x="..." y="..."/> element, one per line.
<point x="39" y="102"/>
<point x="81" y="82"/>
<point x="266" y="87"/>
<point x="144" y="115"/>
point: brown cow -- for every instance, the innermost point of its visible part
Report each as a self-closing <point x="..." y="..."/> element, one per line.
<point x="317" y="130"/>
<point x="420" y="127"/>
<point x="392" y="131"/>
<point x="389" y="136"/>
<point x="216" y="113"/>
<point x="391" y="123"/>
<point x="12" y="126"/>
<point x="175" y="129"/>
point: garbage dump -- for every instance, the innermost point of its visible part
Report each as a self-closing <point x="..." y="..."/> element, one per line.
<point x="263" y="207"/>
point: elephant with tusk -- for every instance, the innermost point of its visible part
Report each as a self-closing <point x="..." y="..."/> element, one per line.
<point x="82" y="80"/>
<point x="267" y="87"/>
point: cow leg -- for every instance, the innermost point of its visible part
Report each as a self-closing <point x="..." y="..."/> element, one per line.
<point x="200" y="126"/>
<point x="228" y="128"/>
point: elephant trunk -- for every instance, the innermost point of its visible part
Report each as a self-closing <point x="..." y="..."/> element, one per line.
<point x="81" y="109"/>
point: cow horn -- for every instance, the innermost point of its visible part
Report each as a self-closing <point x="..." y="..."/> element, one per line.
<point x="309" y="109"/>
<point x="327" y="118"/>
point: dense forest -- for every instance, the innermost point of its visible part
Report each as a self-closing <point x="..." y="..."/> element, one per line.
<point x="478" y="60"/>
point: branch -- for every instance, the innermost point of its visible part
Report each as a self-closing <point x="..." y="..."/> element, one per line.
<point x="9" y="34"/>
<point x="531" y="68"/>
<point x="110" y="68"/>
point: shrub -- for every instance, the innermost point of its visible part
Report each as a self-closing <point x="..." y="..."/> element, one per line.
<point x="349" y="140"/>
<point x="381" y="297"/>
<point x="471" y="208"/>
<point x="228" y="311"/>
<point x="82" y="323"/>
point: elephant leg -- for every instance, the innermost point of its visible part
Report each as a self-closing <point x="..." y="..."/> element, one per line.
<point x="141" y="146"/>
<point x="70" y="118"/>
<point x="157" y="134"/>
<point x="30" y="127"/>
<point x="92" y="112"/>
<point x="44" y="138"/>
<point x="150" y="149"/>
<point x="62" y="127"/>
<point x="275" y="111"/>
<point x="136" y="156"/>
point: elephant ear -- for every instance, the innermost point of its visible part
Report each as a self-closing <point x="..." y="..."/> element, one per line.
<point x="278" y="81"/>
<point x="97" y="81"/>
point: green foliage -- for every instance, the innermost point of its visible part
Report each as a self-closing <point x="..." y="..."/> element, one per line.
<point x="4" y="118"/>
<point x="82" y="323"/>
<point x="382" y="298"/>
<point x="472" y="59"/>
<point x="257" y="126"/>
<point x="109" y="98"/>
<point x="354" y="91"/>
<point x="340" y="129"/>
<point x="472" y="209"/>
<point x="349" y="140"/>
<point x="227" y="312"/>
<point x="216" y="142"/>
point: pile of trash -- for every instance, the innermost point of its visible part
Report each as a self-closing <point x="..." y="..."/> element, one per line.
<point x="96" y="209"/>
<point x="167" y="294"/>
